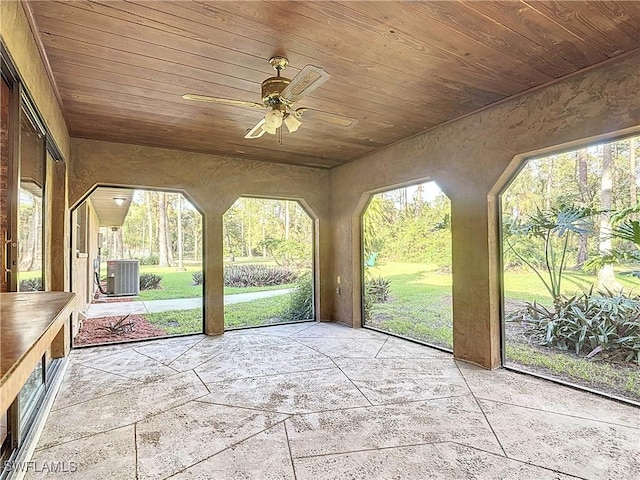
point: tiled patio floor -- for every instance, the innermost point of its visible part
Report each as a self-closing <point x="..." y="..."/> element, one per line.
<point x="319" y="401"/>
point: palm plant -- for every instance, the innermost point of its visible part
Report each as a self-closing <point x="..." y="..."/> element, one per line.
<point x="626" y="228"/>
<point x="553" y="229"/>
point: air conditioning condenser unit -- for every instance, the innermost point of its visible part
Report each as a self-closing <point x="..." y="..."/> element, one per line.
<point x="123" y="277"/>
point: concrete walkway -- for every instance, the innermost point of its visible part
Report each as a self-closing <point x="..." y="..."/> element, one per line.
<point x="97" y="310"/>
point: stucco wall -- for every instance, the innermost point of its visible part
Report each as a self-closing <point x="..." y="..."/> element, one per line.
<point x="17" y="36"/>
<point x="214" y="183"/>
<point x="468" y="158"/>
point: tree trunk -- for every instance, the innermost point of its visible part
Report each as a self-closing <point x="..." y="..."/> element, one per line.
<point x="232" y="257"/>
<point x="249" y="238"/>
<point x="633" y="188"/>
<point x="163" y="233"/>
<point x="180" y="243"/>
<point x="196" y="237"/>
<point x="549" y="187"/>
<point x="583" y="246"/>
<point x="244" y="244"/>
<point x="29" y="251"/>
<point x="118" y="243"/>
<point x="150" y="224"/>
<point x="263" y="221"/>
<point x="606" y="278"/>
<point x="287" y="220"/>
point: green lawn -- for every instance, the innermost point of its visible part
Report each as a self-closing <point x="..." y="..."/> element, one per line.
<point x="176" y="322"/>
<point x="420" y="305"/>
<point x="420" y="308"/>
<point x="177" y="284"/>
<point x="528" y="287"/>
<point x="622" y="380"/>
<point x="258" y="312"/>
<point x="174" y="284"/>
<point x="246" y="314"/>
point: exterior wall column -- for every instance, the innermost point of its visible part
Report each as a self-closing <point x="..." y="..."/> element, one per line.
<point x="213" y="268"/>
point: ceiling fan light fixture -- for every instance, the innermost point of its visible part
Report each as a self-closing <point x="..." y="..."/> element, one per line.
<point x="273" y="120"/>
<point x="292" y="123"/>
<point x="269" y="130"/>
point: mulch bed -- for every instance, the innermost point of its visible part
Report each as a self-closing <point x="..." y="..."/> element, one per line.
<point x="92" y="330"/>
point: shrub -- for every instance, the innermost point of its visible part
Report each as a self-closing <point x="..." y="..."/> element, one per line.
<point x="150" y="281"/>
<point x="301" y="307"/>
<point x="198" y="278"/>
<point x="150" y="260"/>
<point x="376" y="290"/>
<point x="588" y="324"/>
<point x="379" y="289"/>
<point x="31" y="284"/>
<point x="257" y="276"/>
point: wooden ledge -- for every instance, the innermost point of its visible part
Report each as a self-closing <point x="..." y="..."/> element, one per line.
<point x="29" y="323"/>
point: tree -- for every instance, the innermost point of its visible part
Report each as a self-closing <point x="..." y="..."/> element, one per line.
<point x="180" y="243"/>
<point x="583" y="246"/>
<point x="30" y="253"/>
<point x="118" y="243"/>
<point x="606" y="278"/>
<point x="165" y="254"/>
<point x="150" y="223"/>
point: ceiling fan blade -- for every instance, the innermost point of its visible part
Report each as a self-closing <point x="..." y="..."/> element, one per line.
<point x="304" y="83"/>
<point x="333" y="118"/>
<point x="257" y="131"/>
<point x="223" y="101"/>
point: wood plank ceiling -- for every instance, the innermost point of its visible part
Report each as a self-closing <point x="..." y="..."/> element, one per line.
<point x="398" y="68"/>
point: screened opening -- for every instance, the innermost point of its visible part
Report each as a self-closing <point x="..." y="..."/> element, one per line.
<point x="571" y="267"/>
<point x="137" y="267"/>
<point x="407" y="264"/>
<point x="268" y="268"/>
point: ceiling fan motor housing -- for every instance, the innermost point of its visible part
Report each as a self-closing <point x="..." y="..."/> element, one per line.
<point x="272" y="88"/>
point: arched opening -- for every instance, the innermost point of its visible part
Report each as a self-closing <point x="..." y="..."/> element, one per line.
<point x="136" y="265"/>
<point x="571" y="268"/>
<point x="269" y="258"/>
<point x="406" y="245"/>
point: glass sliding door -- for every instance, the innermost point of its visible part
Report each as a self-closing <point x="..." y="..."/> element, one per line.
<point x="5" y="183"/>
<point x="30" y="397"/>
<point x="30" y="206"/>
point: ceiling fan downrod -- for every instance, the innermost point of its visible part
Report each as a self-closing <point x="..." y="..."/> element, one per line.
<point x="272" y="87"/>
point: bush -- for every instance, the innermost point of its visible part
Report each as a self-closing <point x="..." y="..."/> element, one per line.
<point x="150" y="260"/>
<point x="257" y="276"/>
<point x="150" y="281"/>
<point x="198" y="278"/>
<point x="301" y="307"/>
<point x="379" y="289"/>
<point x="588" y="324"/>
<point x="376" y="290"/>
<point x="31" y="285"/>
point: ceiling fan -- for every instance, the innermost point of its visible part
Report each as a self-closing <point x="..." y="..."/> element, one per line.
<point x="279" y="94"/>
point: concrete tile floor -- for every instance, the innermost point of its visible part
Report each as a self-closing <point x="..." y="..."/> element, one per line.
<point x="323" y="401"/>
